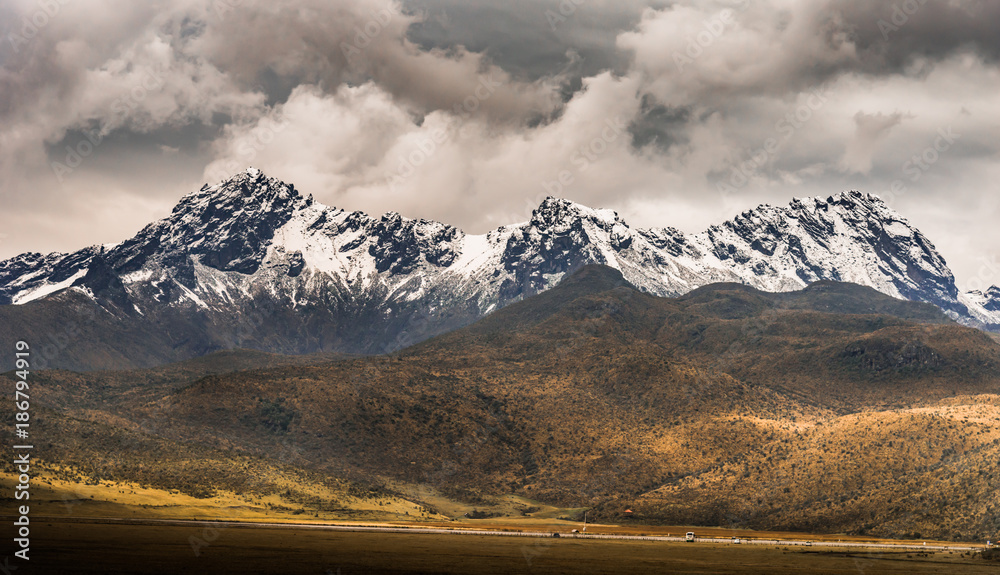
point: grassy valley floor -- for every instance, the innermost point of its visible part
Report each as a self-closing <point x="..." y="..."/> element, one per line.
<point x="81" y="548"/>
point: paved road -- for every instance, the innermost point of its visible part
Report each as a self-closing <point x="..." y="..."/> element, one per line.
<point x="489" y="532"/>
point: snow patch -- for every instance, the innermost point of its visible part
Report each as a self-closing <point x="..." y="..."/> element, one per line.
<point x="47" y="289"/>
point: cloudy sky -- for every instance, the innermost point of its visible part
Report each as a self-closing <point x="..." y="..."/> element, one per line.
<point x="470" y="112"/>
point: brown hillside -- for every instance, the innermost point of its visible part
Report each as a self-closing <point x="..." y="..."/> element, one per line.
<point x="702" y="409"/>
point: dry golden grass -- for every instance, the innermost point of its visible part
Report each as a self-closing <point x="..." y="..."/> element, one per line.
<point x="56" y="497"/>
<point x="925" y="471"/>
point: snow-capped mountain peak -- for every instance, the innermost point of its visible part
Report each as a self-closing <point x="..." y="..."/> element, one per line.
<point x="851" y="237"/>
<point x="555" y="212"/>
<point x="253" y="240"/>
<point x="991" y="299"/>
<point x="983" y="305"/>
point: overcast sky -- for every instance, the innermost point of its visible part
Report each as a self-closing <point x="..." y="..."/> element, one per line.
<point x="470" y="112"/>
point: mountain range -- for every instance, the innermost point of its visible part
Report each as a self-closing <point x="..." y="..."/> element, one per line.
<point x="252" y="263"/>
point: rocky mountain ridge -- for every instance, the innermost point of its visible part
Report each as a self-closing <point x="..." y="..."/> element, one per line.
<point x="317" y="272"/>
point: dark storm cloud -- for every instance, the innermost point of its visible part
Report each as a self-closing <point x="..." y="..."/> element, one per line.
<point x="659" y="125"/>
<point x="514" y="95"/>
<point x="278" y="46"/>
<point x="891" y="36"/>
<point x="532" y="39"/>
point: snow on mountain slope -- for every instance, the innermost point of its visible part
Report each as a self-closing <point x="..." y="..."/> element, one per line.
<point x="254" y="238"/>
<point x="851" y="237"/>
<point x="984" y="306"/>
